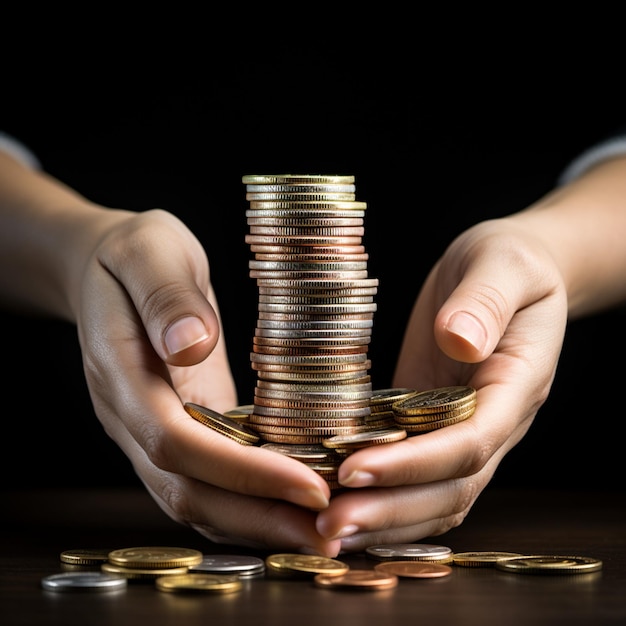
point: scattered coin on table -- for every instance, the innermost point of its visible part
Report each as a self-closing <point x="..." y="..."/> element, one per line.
<point x="83" y="581"/>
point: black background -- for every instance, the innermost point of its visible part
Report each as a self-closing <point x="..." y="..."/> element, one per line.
<point x="440" y="130"/>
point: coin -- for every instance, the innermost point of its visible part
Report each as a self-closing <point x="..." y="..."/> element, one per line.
<point x="83" y="581"/>
<point x="309" y="187"/>
<point x="383" y="399"/>
<point x="288" y="563"/>
<point x="358" y="578"/>
<point x="300" y="179"/>
<point x="199" y="582"/>
<point x="231" y="428"/>
<point x="414" y="569"/>
<point x="299" y="196"/>
<point x="549" y="564"/>
<point x="314" y="205"/>
<point x="409" y="551"/>
<point x="436" y="400"/>
<point x="365" y="438"/>
<point x="481" y="558"/>
<point x="141" y="573"/>
<point x="85" y="556"/>
<point x="155" y="557"/>
<point x="241" y="565"/>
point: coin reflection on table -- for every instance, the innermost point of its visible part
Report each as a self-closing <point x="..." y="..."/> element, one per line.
<point x="414" y="569"/>
<point x="358" y="578"/>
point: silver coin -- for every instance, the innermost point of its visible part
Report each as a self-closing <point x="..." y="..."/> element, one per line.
<point x="301" y="221"/>
<point x="321" y="321"/>
<point x="331" y="205"/>
<point x="314" y="334"/>
<point x="302" y="188"/>
<point x="304" y="240"/>
<point x="242" y="565"/>
<point x="409" y="551"/>
<point x="83" y="581"/>
<point x="286" y="196"/>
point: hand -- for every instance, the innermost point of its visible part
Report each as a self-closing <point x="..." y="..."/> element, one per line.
<point x="149" y="329"/>
<point x="492" y="315"/>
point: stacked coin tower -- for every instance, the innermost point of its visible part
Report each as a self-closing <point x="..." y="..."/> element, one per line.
<point x="315" y="309"/>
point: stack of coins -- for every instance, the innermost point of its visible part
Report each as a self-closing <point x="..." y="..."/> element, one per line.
<point x="428" y="410"/>
<point x="315" y="310"/>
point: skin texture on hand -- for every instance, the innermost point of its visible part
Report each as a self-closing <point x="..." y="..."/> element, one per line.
<point x="492" y="314"/>
<point x="426" y="484"/>
<point x="228" y="492"/>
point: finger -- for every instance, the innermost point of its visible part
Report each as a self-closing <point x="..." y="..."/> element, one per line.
<point x="470" y="299"/>
<point x="175" y="442"/>
<point x="135" y="401"/>
<point x="365" y="517"/>
<point x="164" y="270"/>
<point x="500" y="420"/>
<point x="229" y="518"/>
<point x="495" y="283"/>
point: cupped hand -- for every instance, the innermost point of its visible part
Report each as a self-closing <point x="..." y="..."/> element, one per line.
<point x="149" y="329"/>
<point x="491" y="315"/>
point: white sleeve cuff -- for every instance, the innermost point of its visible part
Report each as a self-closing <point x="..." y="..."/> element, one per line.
<point x="613" y="147"/>
<point x="19" y="151"/>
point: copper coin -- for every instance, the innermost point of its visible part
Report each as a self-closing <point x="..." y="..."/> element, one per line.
<point x="361" y="578"/>
<point x="414" y="569"/>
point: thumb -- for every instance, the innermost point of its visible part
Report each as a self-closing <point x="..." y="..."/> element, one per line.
<point x="469" y="336"/>
<point x="187" y="340"/>
<point x="471" y="322"/>
<point x="182" y="324"/>
<point x="165" y="272"/>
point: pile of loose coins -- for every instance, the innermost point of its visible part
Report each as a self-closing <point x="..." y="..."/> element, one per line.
<point x="395" y="413"/>
<point x="186" y="570"/>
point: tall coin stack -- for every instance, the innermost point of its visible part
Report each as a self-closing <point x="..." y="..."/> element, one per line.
<point x="315" y="310"/>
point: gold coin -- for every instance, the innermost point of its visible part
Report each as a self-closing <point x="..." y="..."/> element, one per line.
<point x="383" y="399"/>
<point x="422" y="427"/>
<point x="85" y="556"/>
<point x="231" y="428"/>
<point x="435" y="400"/>
<point x="300" y="196"/>
<point x="549" y="564"/>
<point x="361" y="578"/>
<point x="481" y="558"/>
<point x="154" y="557"/>
<point x="414" y="569"/>
<point x="240" y="413"/>
<point x="141" y="573"/>
<point x="288" y="563"/>
<point x="197" y="582"/>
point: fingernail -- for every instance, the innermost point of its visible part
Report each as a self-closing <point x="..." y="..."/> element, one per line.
<point x="469" y="328"/>
<point x="315" y="499"/>
<point x="358" y="479"/>
<point x="346" y="531"/>
<point x="183" y="333"/>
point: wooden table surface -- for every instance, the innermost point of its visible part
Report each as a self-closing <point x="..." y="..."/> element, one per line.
<point x="38" y="526"/>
